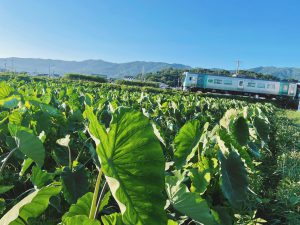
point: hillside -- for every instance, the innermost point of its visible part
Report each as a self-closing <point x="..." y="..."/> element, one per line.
<point x="280" y="72"/>
<point x="35" y="66"/>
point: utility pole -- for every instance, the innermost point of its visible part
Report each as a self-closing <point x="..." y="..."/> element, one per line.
<point x="12" y="65"/>
<point x="238" y="67"/>
<point x="143" y="71"/>
<point x="49" y="71"/>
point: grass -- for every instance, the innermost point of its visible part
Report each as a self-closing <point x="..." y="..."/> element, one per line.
<point x="294" y="116"/>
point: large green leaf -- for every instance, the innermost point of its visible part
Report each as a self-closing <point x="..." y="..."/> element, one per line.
<point x="82" y="206"/>
<point x="10" y="102"/>
<point x="75" y="183"/>
<point x="28" y="143"/>
<point x="187" y="141"/>
<point x="262" y="127"/>
<point x="133" y="163"/>
<point x="171" y="222"/>
<point x="4" y="189"/>
<point x="25" y="166"/>
<point x="80" y="220"/>
<point x="241" y="130"/>
<point x="112" y="219"/>
<point x="40" y="177"/>
<point x="188" y="203"/>
<point x="234" y="180"/>
<point x="31" y="206"/>
<point x="5" y="90"/>
<point x="200" y="176"/>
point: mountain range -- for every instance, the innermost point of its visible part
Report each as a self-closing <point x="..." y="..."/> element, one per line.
<point x="281" y="72"/>
<point x="43" y="66"/>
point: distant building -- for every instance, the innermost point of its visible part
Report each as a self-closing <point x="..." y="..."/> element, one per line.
<point x="129" y="78"/>
<point x="163" y="85"/>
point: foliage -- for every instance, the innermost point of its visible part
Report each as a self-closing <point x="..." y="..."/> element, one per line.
<point x="138" y="83"/>
<point x="117" y="155"/>
<point x="75" y="76"/>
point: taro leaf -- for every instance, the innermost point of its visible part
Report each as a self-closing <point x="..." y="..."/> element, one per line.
<point x="254" y="149"/>
<point x="3" y="116"/>
<point x="223" y="215"/>
<point x="82" y="206"/>
<point x="262" y="128"/>
<point x="188" y="203"/>
<point x="40" y="177"/>
<point x="53" y="112"/>
<point x="61" y="156"/>
<point x="112" y="219"/>
<point x="80" y="220"/>
<point x="186" y="142"/>
<point x="28" y="143"/>
<point x="75" y="183"/>
<point x="64" y="141"/>
<point x="15" y="118"/>
<point x="10" y="102"/>
<point x="200" y="176"/>
<point x="171" y="222"/>
<point x="31" y="206"/>
<point x="46" y="98"/>
<point x="133" y="163"/>
<point x="5" y="90"/>
<point x="43" y="122"/>
<point x="234" y="180"/>
<point x="228" y="117"/>
<point x="241" y="130"/>
<point x="4" y="189"/>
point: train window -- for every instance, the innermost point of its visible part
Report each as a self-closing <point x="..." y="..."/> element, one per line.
<point x="271" y="86"/>
<point x="251" y="84"/>
<point x="210" y="80"/>
<point x="190" y="78"/>
<point x="217" y="81"/>
<point x="260" y="85"/>
<point x="228" y="82"/>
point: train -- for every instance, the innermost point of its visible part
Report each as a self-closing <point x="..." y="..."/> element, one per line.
<point x="241" y="85"/>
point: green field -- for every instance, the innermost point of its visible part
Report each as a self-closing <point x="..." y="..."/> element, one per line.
<point x="79" y="152"/>
<point x="294" y="116"/>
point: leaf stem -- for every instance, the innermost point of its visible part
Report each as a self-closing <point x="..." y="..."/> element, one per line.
<point x="198" y="153"/>
<point x="7" y="158"/>
<point x="100" y="198"/>
<point x="70" y="158"/>
<point x="95" y="196"/>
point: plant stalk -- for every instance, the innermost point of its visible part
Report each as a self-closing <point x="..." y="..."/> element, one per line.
<point x="100" y="198"/>
<point x="199" y="158"/>
<point x="95" y="196"/>
<point x="70" y="158"/>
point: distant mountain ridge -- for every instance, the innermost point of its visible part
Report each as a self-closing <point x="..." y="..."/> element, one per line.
<point x="280" y="72"/>
<point x="42" y="66"/>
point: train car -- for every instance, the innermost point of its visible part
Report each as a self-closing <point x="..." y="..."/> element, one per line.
<point x="239" y="85"/>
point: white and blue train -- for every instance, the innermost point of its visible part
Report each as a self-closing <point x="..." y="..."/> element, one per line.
<point x="240" y="85"/>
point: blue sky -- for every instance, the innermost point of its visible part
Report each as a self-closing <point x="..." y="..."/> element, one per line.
<point x="202" y="33"/>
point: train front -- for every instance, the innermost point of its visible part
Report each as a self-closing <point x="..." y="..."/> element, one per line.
<point x="190" y="81"/>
